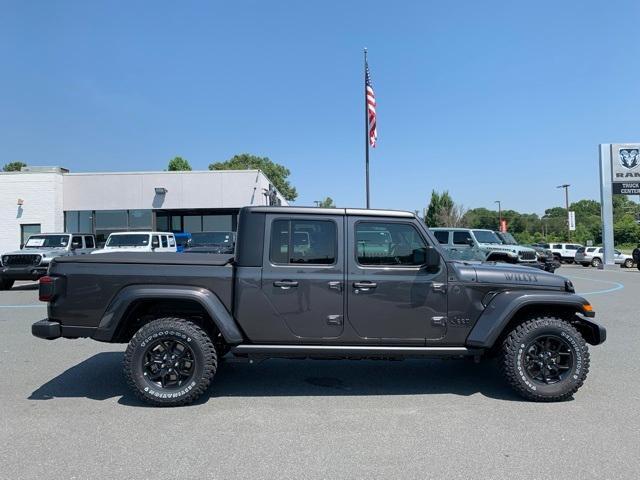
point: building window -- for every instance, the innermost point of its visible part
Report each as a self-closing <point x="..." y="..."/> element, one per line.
<point x="217" y="223"/>
<point x="26" y="230"/>
<point x="70" y="222"/>
<point x="111" y="219"/>
<point x="176" y="223"/>
<point x="192" y="223"/>
<point x="140" y="220"/>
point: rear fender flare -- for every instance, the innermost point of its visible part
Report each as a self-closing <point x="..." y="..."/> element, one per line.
<point x="118" y="307"/>
<point x="505" y="305"/>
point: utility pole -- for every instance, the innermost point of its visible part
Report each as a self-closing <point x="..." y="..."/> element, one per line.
<point x="566" y="202"/>
<point x="499" y="215"/>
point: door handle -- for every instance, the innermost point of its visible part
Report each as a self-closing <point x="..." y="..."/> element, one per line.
<point x="335" y="285"/>
<point x="439" y="287"/>
<point x="285" y="284"/>
<point x="364" y="286"/>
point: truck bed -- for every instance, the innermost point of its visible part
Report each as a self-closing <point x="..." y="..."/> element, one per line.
<point x="93" y="282"/>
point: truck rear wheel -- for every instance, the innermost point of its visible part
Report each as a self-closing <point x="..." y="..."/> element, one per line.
<point x="6" y="284"/>
<point x="170" y="362"/>
<point x="545" y="359"/>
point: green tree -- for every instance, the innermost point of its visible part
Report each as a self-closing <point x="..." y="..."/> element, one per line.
<point x="443" y="211"/>
<point x="13" y="166"/>
<point x="275" y="172"/>
<point x="178" y="164"/>
<point x="327" y="203"/>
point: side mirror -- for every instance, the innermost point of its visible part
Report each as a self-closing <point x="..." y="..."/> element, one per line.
<point x="427" y="257"/>
<point x="75" y="245"/>
<point x="470" y="242"/>
<point x="155" y="243"/>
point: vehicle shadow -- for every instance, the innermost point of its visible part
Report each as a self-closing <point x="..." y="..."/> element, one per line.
<point x="100" y="377"/>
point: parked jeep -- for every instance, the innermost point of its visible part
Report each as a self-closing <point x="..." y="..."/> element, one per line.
<point x="320" y="283"/>
<point x="488" y="242"/>
<point x="32" y="261"/>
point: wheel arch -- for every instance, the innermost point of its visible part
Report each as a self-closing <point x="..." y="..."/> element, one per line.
<point x="135" y="305"/>
<point x="510" y="308"/>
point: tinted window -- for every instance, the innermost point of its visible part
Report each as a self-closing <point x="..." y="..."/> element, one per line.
<point x="165" y="243"/>
<point x="88" y="241"/>
<point x="128" y="240"/>
<point x="172" y="242"/>
<point x="388" y="244"/>
<point x="557" y="246"/>
<point x="77" y="240"/>
<point x="484" y="236"/>
<point x="303" y="242"/>
<point x="442" y="237"/>
<point x="462" y="238"/>
<point x="572" y="247"/>
<point x="47" y="241"/>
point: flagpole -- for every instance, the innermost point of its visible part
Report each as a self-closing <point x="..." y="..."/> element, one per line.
<point x="366" y="127"/>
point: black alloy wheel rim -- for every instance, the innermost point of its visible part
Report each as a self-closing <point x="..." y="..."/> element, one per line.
<point x="548" y="359"/>
<point x="168" y="363"/>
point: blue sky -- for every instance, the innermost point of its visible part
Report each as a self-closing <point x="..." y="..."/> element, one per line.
<point x="489" y="100"/>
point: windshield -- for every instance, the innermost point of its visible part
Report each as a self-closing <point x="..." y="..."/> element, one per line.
<point x="472" y="254"/>
<point x="201" y="239"/>
<point x="47" y="241"/>
<point x="486" y="236"/>
<point x="507" y="238"/>
<point x="128" y="240"/>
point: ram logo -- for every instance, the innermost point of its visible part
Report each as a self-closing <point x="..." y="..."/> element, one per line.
<point x="628" y="157"/>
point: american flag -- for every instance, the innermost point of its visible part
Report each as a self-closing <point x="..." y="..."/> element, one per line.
<point x="371" y="108"/>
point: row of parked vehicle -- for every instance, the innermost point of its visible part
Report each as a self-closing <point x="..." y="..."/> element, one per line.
<point x="492" y="246"/>
<point x="32" y="260"/>
<point x="586" y="256"/>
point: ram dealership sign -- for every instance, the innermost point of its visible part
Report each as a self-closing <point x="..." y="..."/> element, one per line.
<point x="625" y="168"/>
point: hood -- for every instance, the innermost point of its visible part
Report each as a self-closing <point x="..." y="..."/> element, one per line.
<point x="38" y="251"/>
<point x="521" y="275"/>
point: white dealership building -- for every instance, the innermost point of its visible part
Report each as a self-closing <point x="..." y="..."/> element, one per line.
<point x="51" y="199"/>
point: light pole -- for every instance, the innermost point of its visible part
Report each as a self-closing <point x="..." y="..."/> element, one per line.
<point x="566" y="202"/>
<point x="499" y="215"/>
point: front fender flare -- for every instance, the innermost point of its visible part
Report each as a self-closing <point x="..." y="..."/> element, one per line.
<point x="116" y="310"/>
<point x="505" y="305"/>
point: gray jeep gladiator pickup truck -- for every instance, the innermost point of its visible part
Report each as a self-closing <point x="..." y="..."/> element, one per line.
<point x="320" y="283"/>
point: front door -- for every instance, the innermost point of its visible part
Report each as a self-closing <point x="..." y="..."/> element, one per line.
<point x="390" y="295"/>
<point x="303" y="274"/>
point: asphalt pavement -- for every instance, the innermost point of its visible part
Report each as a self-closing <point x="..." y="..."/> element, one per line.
<point x="66" y="412"/>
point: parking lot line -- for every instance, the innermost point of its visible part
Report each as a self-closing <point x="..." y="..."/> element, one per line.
<point x="617" y="285"/>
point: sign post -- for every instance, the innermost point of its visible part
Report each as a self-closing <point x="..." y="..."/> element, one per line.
<point x="619" y="175"/>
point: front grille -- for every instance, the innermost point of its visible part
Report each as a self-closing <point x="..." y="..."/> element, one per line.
<point x="20" y="260"/>
<point x="528" y="255"/>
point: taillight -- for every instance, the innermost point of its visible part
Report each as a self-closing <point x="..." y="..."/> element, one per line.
<point x="46" y="289"/>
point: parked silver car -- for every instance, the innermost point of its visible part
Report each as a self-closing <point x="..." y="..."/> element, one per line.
<point x="593" y="256"/>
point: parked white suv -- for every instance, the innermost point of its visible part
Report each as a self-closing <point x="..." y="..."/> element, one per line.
<point x="139" y="242"/>
<point x="565" y="252"/>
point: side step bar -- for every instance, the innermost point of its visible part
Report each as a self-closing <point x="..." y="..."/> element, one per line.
<point x="350" y="351"/>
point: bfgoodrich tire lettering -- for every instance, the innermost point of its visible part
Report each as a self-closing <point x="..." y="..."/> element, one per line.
<point x="517" y="350"/>
<point x="186" y="338"/>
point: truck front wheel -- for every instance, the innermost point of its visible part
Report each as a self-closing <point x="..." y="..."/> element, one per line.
<point x="170" y="362"/>
<point x="545" y="359"/>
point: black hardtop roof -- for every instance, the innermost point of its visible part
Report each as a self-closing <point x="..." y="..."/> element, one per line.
<point x="330" y="211"/>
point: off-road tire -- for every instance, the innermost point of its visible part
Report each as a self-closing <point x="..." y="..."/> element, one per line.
<point x="514" y="353"/>
<point x="596" y="262"/>
<point x="585" y="264"/>
<point x="203" y="352"/>
<point x="6" y="284"/>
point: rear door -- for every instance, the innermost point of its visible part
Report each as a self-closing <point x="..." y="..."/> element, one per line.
<point x="303" y="274"/>
<point x="391" y="298"/>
